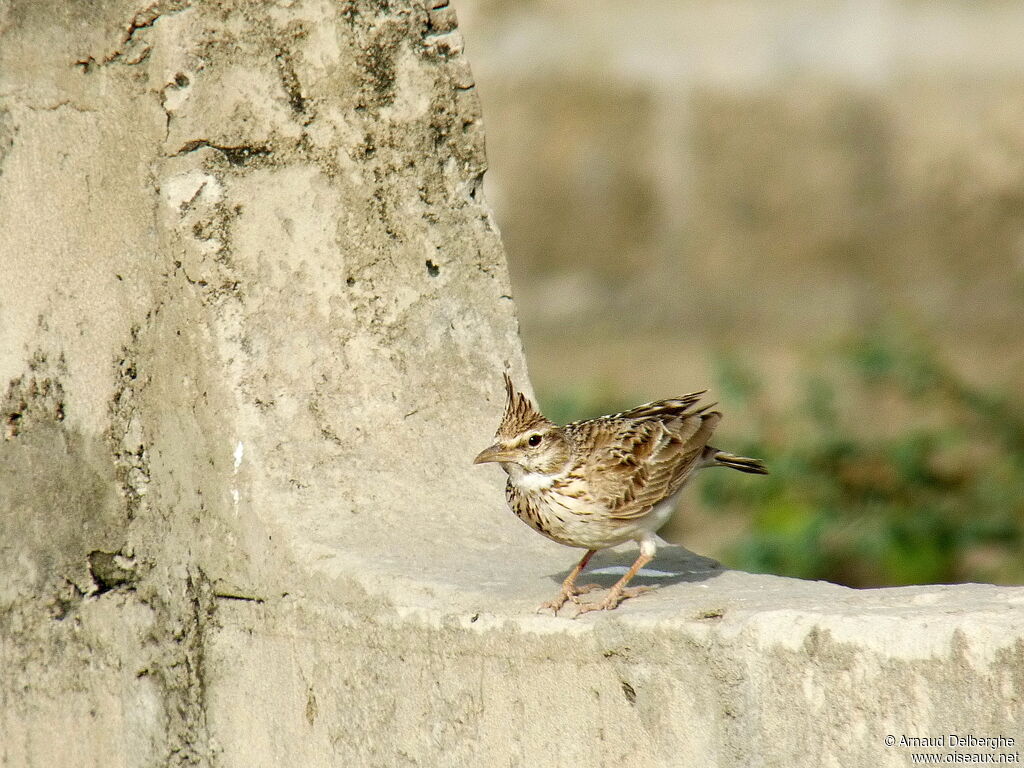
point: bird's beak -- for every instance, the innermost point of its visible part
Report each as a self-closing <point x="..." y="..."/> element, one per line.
<point x="493" y="453"/>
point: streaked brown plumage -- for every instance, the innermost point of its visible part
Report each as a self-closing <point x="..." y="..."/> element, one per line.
<point x="601" y="482"/>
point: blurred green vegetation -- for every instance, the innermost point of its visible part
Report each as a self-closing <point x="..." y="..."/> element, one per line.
<point x="887" y="468"/>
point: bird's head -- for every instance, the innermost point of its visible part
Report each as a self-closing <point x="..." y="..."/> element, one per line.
<point x="525" y="442"/>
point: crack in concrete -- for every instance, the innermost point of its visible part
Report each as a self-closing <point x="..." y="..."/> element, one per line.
<point x="239" y="598"/>
<point x="63" y="104"/>
<point x="132" y="51"/>
<point x="126" y="436"/>
<point x="179" y="83"/>
<point x="179" y="669"/>
<point x="236" y="155"/>
<point x="293" y="88"/>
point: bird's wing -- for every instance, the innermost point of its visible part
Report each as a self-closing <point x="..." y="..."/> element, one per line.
<point x="675" y="406"/>
<point x="640" y="460"/>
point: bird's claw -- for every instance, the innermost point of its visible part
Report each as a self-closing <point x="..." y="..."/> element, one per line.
<point x="571" y="594"/>
<point x="611" y="601"/>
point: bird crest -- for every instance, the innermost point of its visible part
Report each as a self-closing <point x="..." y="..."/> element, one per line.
<point x="520" y="414"/>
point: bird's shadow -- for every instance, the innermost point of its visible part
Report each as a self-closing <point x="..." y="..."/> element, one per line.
<point x="671" y="565"/>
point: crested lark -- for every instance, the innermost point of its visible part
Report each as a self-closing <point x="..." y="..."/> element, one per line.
<point x="601" y="482"/>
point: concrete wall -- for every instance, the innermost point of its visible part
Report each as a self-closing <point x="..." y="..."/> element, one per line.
<point x="253" y="321"/>
<point x="251" y="304"/>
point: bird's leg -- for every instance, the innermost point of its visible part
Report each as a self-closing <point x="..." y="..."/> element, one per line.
<point x="569" y="589"/>
<point x="620" y="591"/>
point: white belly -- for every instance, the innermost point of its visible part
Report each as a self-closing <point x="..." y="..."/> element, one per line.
<point x="590" y="530"/>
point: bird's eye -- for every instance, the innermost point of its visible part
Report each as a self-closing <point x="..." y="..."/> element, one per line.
<point x="534" y="440"/>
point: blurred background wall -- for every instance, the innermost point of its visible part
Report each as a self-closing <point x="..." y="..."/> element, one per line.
<point x="815" y="209"/>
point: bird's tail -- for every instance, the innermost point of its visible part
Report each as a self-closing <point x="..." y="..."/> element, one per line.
<point x="712" y="457"/>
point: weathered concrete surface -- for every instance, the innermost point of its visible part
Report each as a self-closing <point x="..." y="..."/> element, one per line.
<point x="253" y="321"/>
<point x="717" y="668"/>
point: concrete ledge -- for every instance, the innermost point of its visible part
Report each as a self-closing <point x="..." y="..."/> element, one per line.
<point x="716" y="668"/>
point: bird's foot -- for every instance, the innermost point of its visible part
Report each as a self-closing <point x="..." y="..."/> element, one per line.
<point x="568" y="594"/>
<point x="611" y="601"/>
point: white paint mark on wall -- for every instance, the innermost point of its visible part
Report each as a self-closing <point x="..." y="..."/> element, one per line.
<point x="239" y="454"/>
